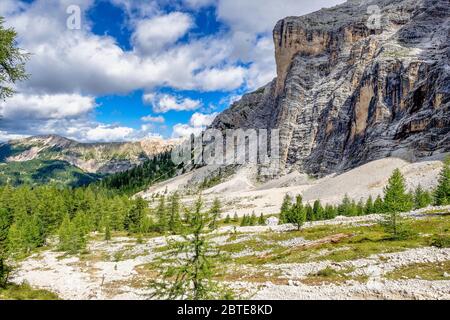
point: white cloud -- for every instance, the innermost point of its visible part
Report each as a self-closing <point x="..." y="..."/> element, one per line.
<point x="196" y="125"/>
<point x="197" y="4"/>
<point x="261" y="16"/>
<point x="150" y="118"/>
<point x="66" y="61"/>
<point x="184" y="130"/>
<point x="152" y="35"/>
<point x="5" y="136"/>
<point x="107" y="133"/>
<point x="163" y="103"/>
<point x="221" y="79"/>
<point x="202" y="120"/>
<point x="251" y="34"/>
<point x="58" y="106"/>
<point x="70" y="67"/>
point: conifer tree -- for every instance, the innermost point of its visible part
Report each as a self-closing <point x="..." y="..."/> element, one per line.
<point x="133" y="220"/>
<point x="235" y="217"/>
<point x="261" y="220"/>
<point x="422" y="198"/>
<point x="4" y="229"/>
<point x="396" y="200"/>
<point x="71" y="235"/>
<point x="227" y="219"/>
<point x="378" y="205"/>
<point x="215" y="213"/>
<point x="252" y="220"/>
<point x="244" y="221"/>
<point x="309" y="212"/>
<point x="345" y="207"/>
<point x="318" y="210"/>
<point x="442" y="192"/>
<point x="189" y="277"/>
<point x="297" y="214"/>
<point x="285" y="208"/>
<point x="12" y="61"/>
<point x="107" y="230"/>
<point x="330" y="212"/>
<point x="161" y="214"/>
<point x="174" y="213"/>
<point x="360" y="208"/>
<point x="368" y="208"/>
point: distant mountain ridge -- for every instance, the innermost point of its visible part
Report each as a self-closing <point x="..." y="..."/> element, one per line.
<point x="42" y="159"/>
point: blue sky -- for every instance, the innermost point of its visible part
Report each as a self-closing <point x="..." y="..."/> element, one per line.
<point x="138" y="68"/>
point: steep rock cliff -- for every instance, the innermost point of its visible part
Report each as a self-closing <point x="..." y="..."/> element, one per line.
<point x="350" y="89"/>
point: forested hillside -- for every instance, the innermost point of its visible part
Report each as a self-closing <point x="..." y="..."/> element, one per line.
<point x="157" y="169"/>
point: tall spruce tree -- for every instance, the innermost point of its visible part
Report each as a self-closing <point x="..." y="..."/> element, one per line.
<point x="318" y="210"/>
<point x="422" y="198"/>
<point x="345" y="208"/>
<point x="135" y="216"/>
<point x="368" y="208"/>
<point x="442" y="192"/>
<point x="215" y="213"/>
<point x="261" y="220"/>
<point x="396" y="200"/>
<point x="12" y="61"/>
<point x="161" y="214"/>
<point x="285" y="208"/>
<point x="190" y="275"/>
<point x="4" y="229"/>
<point x="378" y="205"/>
<point x="297" y="214"/>
<point x="174" y="213"/>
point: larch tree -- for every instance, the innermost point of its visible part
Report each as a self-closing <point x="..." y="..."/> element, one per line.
<point x="215" y="213"/>
<point x="442" y="192"/>
<point x="174" y="223"/>
<point x="189" y="275"/>
<point x="285" y="208"/>
<point x="12" y="61"/>
<point x="297" y="214"/>
<point x="396" y="200"/>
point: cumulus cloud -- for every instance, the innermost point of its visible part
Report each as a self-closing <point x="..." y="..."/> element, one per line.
<point x="196" y="125"/>
<point x="184" y="130"/>
<point x="265" y="13"/>
<point x="46" y="106"/>
<point x="197" y="4"/>
<point x="66" y="60"/>
<point x="152" y="35"/>
<point x="157" y="119"/>
<point x="108" y="133"/>
<point x="70" y="67"/>
<point x="202" y="120"/>
<point x="5" y="136"/>
<point x="163" y="103"/>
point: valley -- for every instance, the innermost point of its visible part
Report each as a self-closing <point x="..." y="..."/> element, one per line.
<point x="273" y="262"/>
<point x="357" y="207"/>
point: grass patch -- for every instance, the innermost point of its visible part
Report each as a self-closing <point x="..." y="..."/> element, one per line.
<point x="426" y="271"/>
<point x="365" y="241"/>
<point x="25" y="292"/>
<point x="330" y="275"/>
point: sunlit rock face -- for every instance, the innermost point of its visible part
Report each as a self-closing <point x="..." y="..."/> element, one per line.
<point x="103" y="158"/>
<point x="350" y="90"/>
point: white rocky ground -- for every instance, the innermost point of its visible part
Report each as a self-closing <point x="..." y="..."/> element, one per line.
<point x="114" y="270"/>
<point x="242" y="194"/>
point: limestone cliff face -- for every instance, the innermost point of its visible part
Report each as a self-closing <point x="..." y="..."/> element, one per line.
<point x="348" y="92"/>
